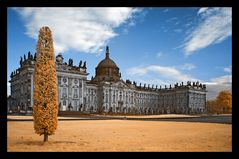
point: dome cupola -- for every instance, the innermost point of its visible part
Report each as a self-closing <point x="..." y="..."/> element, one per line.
<point x="107" y="70"/>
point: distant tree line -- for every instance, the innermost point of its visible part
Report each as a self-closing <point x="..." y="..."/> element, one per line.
<point x="222" y="104"/>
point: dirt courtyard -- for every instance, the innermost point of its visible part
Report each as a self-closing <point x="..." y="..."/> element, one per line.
<point x="122" y="135"/>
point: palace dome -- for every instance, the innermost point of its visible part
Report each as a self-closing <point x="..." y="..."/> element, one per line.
<point x="107" y="63"/>
<point x="107" y="70"/>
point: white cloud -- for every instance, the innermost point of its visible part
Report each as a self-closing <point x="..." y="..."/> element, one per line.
<point x="178" y="30"/>
<point x="228" y="69"/>
<point x="213" y="90"/>
<point x="188" y="24"/>
<point x="188" y="66"/>
<point x="171" y="19"/>
<point x="177" y="23"/>
<point x="165" y="10"/>
<point x="165" y="30"/>
<point x="152" y="81"/>
<point x="217" y="84"/>
<point x="80" y="29"/>
<point x="202" y="10"/>
<point x="227" y="79"/>
<point x="159" y="54"/>
<point x="216" y="26"/>
<point x="132" y="23"/>
<point x="125" y="31"/>
<point x="170" y="73"/>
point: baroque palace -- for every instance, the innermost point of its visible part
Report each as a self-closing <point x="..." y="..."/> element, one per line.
<point x="106" y="92"/>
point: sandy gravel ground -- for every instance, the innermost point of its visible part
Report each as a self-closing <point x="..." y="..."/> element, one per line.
<point x="122" y="135"/>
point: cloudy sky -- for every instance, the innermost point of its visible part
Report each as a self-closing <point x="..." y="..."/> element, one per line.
<point x="157" y="46"/>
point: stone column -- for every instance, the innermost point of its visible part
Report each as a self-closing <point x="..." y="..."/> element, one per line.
<point x="82" y="95"/>
<point x="110" y="98"/>
<point x="205" y="101"/>
<point x="32" y="85"/>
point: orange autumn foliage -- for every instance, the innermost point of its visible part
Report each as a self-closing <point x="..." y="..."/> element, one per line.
<point x="224" y="100"/>
<point x="222" y="104"/>
<point x="45" y="110"/>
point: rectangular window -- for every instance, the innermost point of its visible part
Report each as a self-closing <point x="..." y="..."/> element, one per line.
<point x="80" y="92"/>
<point x="106" y="100"/>
<point x="75" y="103"/>
<point x="84" y="100"/>
<point x="70" y="89"/>
<point x="59" y="80"/>
<point x="113" y="98"/>
<point x="75" y="93"/>
<point x="64" y="93"/>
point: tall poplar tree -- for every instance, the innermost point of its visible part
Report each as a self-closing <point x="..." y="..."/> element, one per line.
<point x="45" y="108"/>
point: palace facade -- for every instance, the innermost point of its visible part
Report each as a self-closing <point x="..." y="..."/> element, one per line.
<point x="106" y="91"/>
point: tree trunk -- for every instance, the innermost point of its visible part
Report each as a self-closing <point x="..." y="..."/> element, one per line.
<point x="45" y="137"/>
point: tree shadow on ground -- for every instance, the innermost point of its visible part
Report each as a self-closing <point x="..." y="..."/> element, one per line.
<point x="41" y="143"/>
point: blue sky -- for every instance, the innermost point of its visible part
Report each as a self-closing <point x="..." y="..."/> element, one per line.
<point x="157" y="46"/>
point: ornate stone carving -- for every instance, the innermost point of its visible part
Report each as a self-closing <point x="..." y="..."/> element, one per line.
<point x="84" y="65"/>
<point x="21" y="62"/>
<point x="29" y="55"/>
<point x="70" y="63"/>
<point x="80" y="63"/>
<point x="64" y="79"/>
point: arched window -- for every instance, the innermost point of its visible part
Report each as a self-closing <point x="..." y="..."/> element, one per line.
<point x="75" y="93"/>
